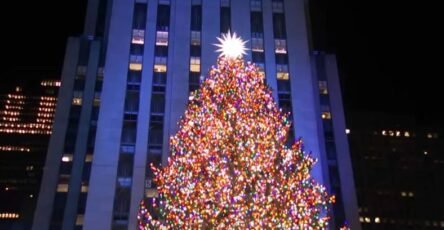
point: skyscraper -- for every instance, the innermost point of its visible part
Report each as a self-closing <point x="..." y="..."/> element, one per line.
<point x="126" y="83"/>
<point x="26" y="116"/>
<point x="398" y="166"/>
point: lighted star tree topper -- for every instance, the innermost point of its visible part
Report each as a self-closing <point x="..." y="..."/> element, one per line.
<point x="229" y="167"/>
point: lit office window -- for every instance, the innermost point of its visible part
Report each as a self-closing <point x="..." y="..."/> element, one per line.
<point x="323" y="87"/>
<point x="77" y="98"/>
<point x="160" y="64"/>
<point x="135" y="62"/>
<point x="162" y="38"/>
<point x="195" y="38"/>
<point x="326" y="115"/>
<point x="151" y="193"/>
<point x="88" y="158"/>
<point x="84" y="188"/>
<point x="280" y="46"/>
<point x="138" y="36"/>
<point x="377" y="220"/>
<point x="282" y="72"/>
<point x="67" y="157"/>
<point x="62" y="187"/>
<point x="79" y="220"/>
<point x="96" y="101"/>
<point x="195" y="64"/>
<point x="257" y="43"/>
<point x="406" y="134"/>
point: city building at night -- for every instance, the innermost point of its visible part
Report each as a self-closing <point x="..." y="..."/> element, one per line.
<point x="398" y="165"/>
<point x="125" y="84"/>
<point x="26" y="117"/>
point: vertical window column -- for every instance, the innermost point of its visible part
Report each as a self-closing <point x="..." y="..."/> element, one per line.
<point x="122" y="198"/>
<point x="195" y="47"/>
<point x="157" y="108"/>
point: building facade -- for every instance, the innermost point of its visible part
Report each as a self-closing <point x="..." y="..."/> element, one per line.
<point x="26" y="117"/>
<point x="126" y="82"/>
<point x="398" y="167"/>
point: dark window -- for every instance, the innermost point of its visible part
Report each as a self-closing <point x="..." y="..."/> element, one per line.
<point x="257" y="25"/>
<point x="139" y="20"/>
<point x="279" y="26"/>
<point x="225" y="19"/>
<point x="163" y="17"/>
<point x="196" y="17"/>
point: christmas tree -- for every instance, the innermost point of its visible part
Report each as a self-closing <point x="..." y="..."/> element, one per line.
<point x="229" y="167"/>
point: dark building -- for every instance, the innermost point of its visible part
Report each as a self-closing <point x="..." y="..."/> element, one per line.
<point x="26" y="117"/>
<point x="398" y="165"/>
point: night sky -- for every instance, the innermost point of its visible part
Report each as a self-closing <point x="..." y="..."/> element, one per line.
<point x="384" y="49"/>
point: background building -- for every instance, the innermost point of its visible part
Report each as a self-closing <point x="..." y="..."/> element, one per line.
<point x="398" y="167"/>
<point x="26" y="117"/>
<point x="126" y="82"/>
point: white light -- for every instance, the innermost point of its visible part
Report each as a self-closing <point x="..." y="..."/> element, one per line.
<point x="65" y="159"/>
<point x="347" y="131"/>
<point x="367" y="219"/>
<point x="377" y="220"/>
<point x="231" y="46"/>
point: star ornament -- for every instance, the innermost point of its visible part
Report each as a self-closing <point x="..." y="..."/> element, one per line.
<point x="231" y="46"/>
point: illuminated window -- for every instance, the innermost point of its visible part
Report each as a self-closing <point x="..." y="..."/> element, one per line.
<point x="84" y="188"/>
<point x="162" y="38"/>
<point x="280" y="46"/>
<point x="384" y="133"/>
<point x="278" y="7"/>
<point x="77" y="98"/>
<point x="160" y="64"/>
<point x="96" y="101"/>
<point x="255" y="5"/>
<point x="347" y="131"/>
<point x="67" y="157"/>
<point x="411" y="194"/>
<point x="377" y="220"/>
<point x="257" y="42"/>
<point x="367" y="219"/>
<point x="398" y="133"/>
<point x="326" y="115"/>
<point x="361" y="219"/>
<point x="100" y="73"/>
<point x="79" y="220"/>
<point x="195" y="64"/>
<point x="323" y="87"/>
<point x="135" y="62"/>
<point x="403" y="194"/>
<point x="138" y="36"/>
<point x="195" y="38"/>
<point x="62" y="188"/>
<point x="391" y="133"/>
<point x="406" y="134"/>
<point x="88" y="158"/>
<point x="151" y="192"/>
<point x="282" y="72"/>
<point x="425" y="153"/>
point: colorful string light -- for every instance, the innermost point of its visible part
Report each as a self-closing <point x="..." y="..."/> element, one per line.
<point x="229" y="167"/>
